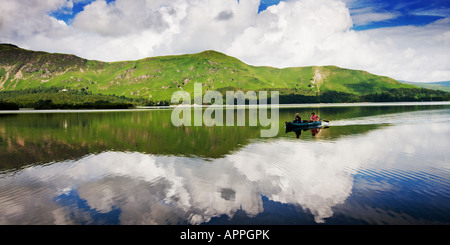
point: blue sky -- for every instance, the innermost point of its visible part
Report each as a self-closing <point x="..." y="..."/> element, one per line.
<point x="405" y="12"/>
<point x="67" y="15"/>
<point x="404" y="39"/>
<point x="396" y="12"/>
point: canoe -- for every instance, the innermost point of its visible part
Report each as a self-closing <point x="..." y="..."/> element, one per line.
<point x="291" y="125"/>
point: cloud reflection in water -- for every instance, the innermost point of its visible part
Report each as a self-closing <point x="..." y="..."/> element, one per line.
<point x="147" y="189"/>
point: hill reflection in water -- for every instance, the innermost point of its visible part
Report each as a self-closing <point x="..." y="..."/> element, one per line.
<point x="396" y="174"/>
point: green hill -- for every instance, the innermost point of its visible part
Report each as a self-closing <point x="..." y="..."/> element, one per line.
<point x="157" y="78"/>
<point x="443" y="86"/>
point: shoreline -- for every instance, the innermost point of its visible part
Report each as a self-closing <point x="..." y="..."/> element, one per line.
<point x="147" y="108"/>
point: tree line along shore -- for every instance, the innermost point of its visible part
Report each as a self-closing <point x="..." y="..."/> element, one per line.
<point x="61" y="98"/>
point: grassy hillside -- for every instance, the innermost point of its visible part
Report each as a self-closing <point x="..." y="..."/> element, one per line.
<point x="443" y="86"/>
<point x="157" y="78"/>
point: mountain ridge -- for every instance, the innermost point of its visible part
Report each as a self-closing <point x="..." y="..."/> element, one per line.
<point x="443" y="85"/>
<point x="159" y="77"/>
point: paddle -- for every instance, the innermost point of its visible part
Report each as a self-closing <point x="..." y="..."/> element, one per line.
<point x="326" y="121"/>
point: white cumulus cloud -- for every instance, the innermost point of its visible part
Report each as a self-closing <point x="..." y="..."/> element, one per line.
<point x="291" y="33"/>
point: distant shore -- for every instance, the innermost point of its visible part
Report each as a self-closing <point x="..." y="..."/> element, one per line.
<point x="145" y="108"/>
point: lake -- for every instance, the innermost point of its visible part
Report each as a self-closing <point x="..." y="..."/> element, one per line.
<point x="372" y="164"/>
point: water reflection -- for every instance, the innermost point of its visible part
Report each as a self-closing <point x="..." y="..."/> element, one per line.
<point x="39" y="138"/>
<point x="315" y="130"/>
<point x="318" y="177"/>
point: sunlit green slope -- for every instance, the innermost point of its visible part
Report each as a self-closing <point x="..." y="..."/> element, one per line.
<point x="158" y="77"/>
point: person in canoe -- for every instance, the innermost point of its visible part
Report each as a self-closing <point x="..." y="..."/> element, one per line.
<point x="297" y="119"/>
<point x="314" y="117"/>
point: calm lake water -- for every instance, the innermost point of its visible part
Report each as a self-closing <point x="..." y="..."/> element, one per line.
<point x="373" y="164"/>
